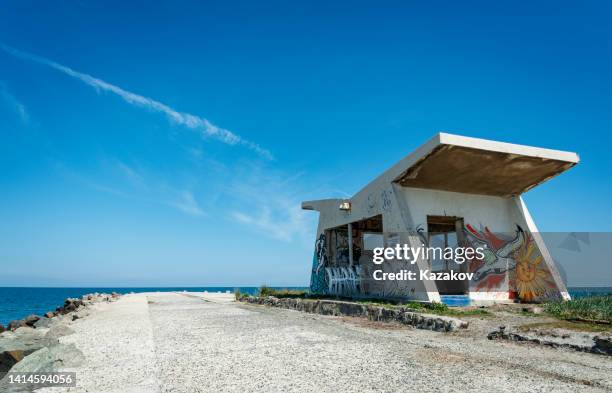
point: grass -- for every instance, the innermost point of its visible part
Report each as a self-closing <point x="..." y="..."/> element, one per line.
<point x="443" y="309"/>
<point x="265" y="290"/>
<point x="595" y="308"/>
<point x="431" y="308"/>
<point x="568" y="325"/>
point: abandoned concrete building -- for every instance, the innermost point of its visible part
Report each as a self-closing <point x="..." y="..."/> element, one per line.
<point x="452" y="191"/>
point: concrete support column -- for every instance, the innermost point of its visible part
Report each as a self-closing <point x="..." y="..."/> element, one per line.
<point x="350" y="242"/>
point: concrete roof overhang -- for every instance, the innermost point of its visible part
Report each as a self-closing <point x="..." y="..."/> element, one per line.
<point x="478" y="166"/>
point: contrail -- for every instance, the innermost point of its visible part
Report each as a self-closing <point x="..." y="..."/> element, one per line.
<point x="185" y="119"/>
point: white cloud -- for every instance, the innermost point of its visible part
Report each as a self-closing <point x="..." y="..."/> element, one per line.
<point x="142" y="188"/>
<point x="181" y="118"/>
<point x="14" y="103"/>
<point x="270" y="203"/>
<point x="188" y="204"/>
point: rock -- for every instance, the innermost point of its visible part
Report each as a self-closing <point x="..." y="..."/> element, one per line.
<point x="373" y="313"/>
<point x="603" y="345"/>
<point x="11" y="352"/>
<point x="30" y="320"/>
<point x="15" y="324"/>
<point x="532" y="309"/>
<point x="23" y="342"/>
<point x="33" y="339"/>
<point x="50" y="314"/>
<point x="58" y="330"/>
<point x="45" y="323"/>
<point x="47" y="359"/>
<point x="67" y="355"/>
<point x="70" y="305"/>
<point x="39" y="361"/>
<point x="9" y="358"/>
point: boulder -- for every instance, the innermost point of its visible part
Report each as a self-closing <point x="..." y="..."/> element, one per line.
<point x="11" y="352"/>
<point x="30" y="320"/>
<point x="15" y="324"/>
<point x="38" y="361"/>
<point x="70" y="305"/>
<point x="33" y="339"/>
<point x="44" y="360"/>
<point x="45" y="323"/>
<point x="58" y="330"/>
<point x="67" y="355"/>
<point x="602" y="345"/>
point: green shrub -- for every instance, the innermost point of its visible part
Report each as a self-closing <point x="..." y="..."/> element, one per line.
<point x="437" y="307"/>
<point x="237" y="294"/>
<point x="282" y="293"/>
<point x="589" y="308"/>
<point x="265" y="290"/>
<point x="415" y="305"/>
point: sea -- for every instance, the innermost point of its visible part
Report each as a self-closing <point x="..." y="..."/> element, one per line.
<point x="17" y="303"/>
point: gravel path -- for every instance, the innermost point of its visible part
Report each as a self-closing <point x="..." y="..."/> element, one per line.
<point x="171" y="342"/>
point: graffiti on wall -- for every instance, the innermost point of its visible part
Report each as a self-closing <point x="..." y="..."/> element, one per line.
<point x="319" y="261"/>
<point x="531" y="278"/>
<point x="343" y="281"/>
<point x="491" y="272"/>
<point x="341" y="247"/>
<point x="511" y="263"/>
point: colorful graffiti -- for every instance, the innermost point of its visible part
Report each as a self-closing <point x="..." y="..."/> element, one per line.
<point x="491" y="272"/>
<point x="511" y="264"/>
<point x="531" y="279"/>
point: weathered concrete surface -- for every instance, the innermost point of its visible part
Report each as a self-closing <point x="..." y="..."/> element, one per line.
<point x="168" y="342"/>
<point x="117" y="342"/>
<point x="579" y="341"/>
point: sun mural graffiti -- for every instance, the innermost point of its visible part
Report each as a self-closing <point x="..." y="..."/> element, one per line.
<point x="510" y="263"/>
<point x="531" y="279"/>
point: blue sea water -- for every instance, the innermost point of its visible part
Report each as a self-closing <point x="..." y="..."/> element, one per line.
<point x="17" y="303"/>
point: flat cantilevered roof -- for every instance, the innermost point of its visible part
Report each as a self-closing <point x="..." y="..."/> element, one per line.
<point x="479" y="166"/>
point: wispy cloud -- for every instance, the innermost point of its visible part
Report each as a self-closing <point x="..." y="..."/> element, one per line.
<point x="269" y="203"/>
<point x="188" y="204"/>
<point x="178" y="198"/>
<point x="154" y="193"/>
<point x="188" y="120"/>
<point x="14" y="103"/>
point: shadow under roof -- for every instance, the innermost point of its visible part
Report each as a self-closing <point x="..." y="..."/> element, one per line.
<point x="478" y="166"/>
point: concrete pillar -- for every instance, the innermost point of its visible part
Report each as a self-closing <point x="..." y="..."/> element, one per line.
<point x="350" y="242"/>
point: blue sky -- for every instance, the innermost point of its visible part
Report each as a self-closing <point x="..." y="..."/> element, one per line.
<point x="170" y="144"/>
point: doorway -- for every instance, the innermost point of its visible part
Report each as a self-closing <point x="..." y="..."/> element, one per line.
<point x="443" y="232"/>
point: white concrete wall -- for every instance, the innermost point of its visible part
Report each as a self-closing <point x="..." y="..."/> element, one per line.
<point x="494" y="212"/>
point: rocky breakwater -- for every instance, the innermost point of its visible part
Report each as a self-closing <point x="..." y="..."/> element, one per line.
<point x="401" y="315"/>
<point x="33" y="344"/>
